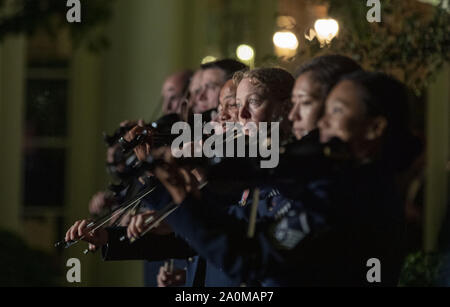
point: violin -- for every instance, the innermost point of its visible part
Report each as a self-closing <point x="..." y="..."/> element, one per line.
<point x="130" y="204"/>
<point x="110" y="140"/>
<point x="300" y="161"/>
<point x="156" y="134"/>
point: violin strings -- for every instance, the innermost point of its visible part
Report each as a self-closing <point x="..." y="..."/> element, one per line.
<point x="117" y="211"/>
<point x="153" y="222"/>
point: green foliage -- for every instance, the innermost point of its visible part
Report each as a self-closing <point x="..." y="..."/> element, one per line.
<point x="23" y="266"/>
<point x="420" y="269"/>
<point x="412" y="41"/>
<point x="27" y="16"/>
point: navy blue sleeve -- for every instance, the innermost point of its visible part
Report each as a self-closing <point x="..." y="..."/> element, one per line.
<point x="157" y="199"/>
<point x="213" y="206"/>
<point x="227" y="246"/>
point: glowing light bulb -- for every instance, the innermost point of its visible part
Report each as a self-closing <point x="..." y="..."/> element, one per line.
<point x="286" y="44"/>
<point x="245" y="52"/>
<point x="285" y="40"/>
<point x="326" y="29"/>
<point x="208" y="59"/>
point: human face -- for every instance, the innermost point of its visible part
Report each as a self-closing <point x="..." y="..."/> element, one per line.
<point x="195" y="87"/>
<point x="228" y="110"/>
<point x="253" y="103"/>
<point x="346" y="118"/>
<point x="208" y="98"/>
<point x="307" y="106"/>
<point x="172" y="94"/>
<point x="111" y="153"/>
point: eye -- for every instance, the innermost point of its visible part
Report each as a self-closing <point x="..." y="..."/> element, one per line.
<point x="254" y="101"/>
<point x="231" y="103"/>
<point x="307" y="103"/>
<point x="336" y="109"/>
<point x="211" y="86"/>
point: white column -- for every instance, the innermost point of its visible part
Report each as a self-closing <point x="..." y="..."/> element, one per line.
<point x="437" y="157"/>
<point x="12" y="84"/>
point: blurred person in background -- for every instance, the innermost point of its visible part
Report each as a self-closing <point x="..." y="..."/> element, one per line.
<point x="213" y="77"/>
<point x="173" y="91"/>
<point x="315" y="79"/>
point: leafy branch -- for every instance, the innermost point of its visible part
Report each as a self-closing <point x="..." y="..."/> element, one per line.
<point x="28" y="16"/>
<point x="411" y="42"/>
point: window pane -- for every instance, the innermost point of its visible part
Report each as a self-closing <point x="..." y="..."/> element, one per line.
<point x="44" y="177"/>
<point x="46" y="108"/>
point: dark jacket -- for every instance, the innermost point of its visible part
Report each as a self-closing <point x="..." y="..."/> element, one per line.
<point x="325" y="237"/>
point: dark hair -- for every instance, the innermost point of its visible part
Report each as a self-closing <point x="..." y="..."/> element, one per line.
<point x="385" y="96"/>
<point x="229" y="66"/>
<point x="327" y="70"/>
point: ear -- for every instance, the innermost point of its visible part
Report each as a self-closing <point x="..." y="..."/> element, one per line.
<point x="376" y="128"/>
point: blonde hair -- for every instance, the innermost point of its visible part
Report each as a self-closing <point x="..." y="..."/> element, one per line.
<point x="277" y="83"/>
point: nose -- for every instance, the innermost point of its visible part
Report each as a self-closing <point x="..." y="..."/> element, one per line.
<point x="294" y="115"/>
<point x="175" y="105"/>
<point x="184" y="103"/>
<point x="244" y="112"/>
<point x="170" y="106"/>
<point x="202" y="95"/>
<point x="224" y="115"/>
<point x="165" y="103"/>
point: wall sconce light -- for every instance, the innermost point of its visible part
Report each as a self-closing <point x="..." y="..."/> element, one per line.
<point x="286" y="44"/>
<point x="325" y="30"/>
